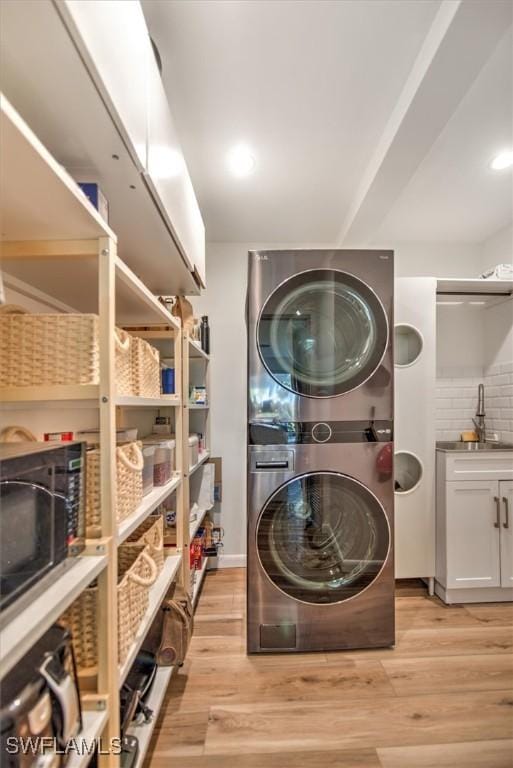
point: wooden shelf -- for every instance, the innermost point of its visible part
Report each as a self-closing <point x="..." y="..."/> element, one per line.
<point x="22" y="632"/>
<point x="478" y="286"/>
<point x="202" y="459"/>
<point x="200" y="575"/>
<point x="164" y="401"/>
<point x="196" y="351"/>
<point x="157" y="593"/>
<point x="50" y="393"/>
<point x="195" y="524"/>
<point x="93" y="723"/>
<point x="154" y="701"/>
<point x="149" y="503"/>
<point x="51" y="206"/>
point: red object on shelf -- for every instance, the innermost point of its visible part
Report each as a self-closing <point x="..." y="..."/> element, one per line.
<point x="58" y="437"/>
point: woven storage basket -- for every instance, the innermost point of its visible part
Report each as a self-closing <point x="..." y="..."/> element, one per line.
<point x="151" y="534"/>
<point x="145" y="368"/>
<point x="41" y="350"/>
<point x="129" y="466"/>
<point x="137" y="572"/>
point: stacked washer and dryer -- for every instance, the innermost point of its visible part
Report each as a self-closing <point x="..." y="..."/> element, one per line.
<point x="320" y="450"/>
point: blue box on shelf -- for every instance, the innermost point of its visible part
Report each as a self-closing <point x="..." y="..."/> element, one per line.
<point x="168" y="381"/>
<point x="96" y="197"/>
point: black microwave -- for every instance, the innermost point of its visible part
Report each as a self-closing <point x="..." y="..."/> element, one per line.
<point x="42" y="517"/>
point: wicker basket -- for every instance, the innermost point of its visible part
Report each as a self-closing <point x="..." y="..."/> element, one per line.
<point x="41" y="350"/>
<point x="145" y="368"/>
<point x="129" y="466"/>
<point x="151" y="534"/>
<point x="137" y="572"/>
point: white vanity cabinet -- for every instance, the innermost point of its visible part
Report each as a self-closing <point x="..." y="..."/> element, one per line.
<point x="474" y="539"/>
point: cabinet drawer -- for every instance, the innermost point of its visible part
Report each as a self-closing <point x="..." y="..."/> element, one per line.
<point x="491" y="465"/>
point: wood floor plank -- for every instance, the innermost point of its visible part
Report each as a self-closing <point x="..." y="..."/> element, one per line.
<point x="179" y="734"/>
<point x="474" y="754"/>
<point x="399" y="721"/>
<point x="345" y="758"/>
<point x="219" y="625"/>
<point x="255" y="680"/>
<point x="345" y="709"/>
<point x="427" y="613"/>
<point x="492" y="614"/>
<point x="441" y="640"/>
<point x="450" y="674"/>
<point x="220" y="647"/>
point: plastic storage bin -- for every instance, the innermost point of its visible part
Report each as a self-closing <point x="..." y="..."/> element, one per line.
<point x="148" y="452"/>
<point x="163" y="459"/>
<point x="193" y="450"/>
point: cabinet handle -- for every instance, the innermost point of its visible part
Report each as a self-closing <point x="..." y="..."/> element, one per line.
<point x="497" y="523"/>
<point x="506" y="509"/>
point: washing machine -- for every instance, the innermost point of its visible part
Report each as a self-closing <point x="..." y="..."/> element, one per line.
<point x="319" y="325"/>
<point x="320" y="541"/>
<point x="320" y="450"/>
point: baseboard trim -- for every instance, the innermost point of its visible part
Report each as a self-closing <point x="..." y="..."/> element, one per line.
<point x="474" y="595"/>
<point x="231" y="561"/>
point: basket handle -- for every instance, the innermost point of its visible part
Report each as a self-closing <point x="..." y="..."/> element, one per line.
<point x="122" y="339"/>
<point x="159" y="545"/>
<point x="154" y="353"/>
<point x="13" y="309"/>
<point x="154" y="572"/>
<point x="137" y="464"/>
<point x="8" y="434"/>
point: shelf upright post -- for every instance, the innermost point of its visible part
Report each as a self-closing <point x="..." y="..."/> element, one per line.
<point x="180" y="457"/>
<point x="108" y="678"/>
<point x="184" y="437"/>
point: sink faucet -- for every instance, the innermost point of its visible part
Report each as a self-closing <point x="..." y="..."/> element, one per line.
<point x="479" y="421"/>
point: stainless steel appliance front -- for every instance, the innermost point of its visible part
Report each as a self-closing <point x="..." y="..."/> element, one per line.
<point x="319" y="335"/>
<point x="320" y="547"/>
<point x="320" y="432"/>
<point x="42" y="494"/>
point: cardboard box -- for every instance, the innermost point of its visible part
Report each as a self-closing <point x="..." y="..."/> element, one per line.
<point x="218" y="478"/>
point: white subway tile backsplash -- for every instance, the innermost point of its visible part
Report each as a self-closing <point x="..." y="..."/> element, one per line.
<point x="456" y="400"/>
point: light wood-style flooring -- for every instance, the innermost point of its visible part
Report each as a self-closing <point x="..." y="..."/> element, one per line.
<point x="442" y="698"/>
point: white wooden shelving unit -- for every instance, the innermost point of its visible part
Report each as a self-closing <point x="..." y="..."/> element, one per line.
<point x="155" y="699"/>
<point x="157" y="593"/>
<point x="55" y="245"/>
<point x="196" y="418"/>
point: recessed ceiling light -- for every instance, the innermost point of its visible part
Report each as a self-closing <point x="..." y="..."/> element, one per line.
<point x="240" y="161"/>
<point x="503" y="160"/>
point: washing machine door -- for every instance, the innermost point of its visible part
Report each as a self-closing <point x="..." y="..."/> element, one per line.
<point x="322" y="333"/>
<point x="322" y="537"/>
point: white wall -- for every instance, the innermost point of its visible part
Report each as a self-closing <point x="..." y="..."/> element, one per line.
<point x="224" y="303"/>
<point x="498" y="249"/>
<point x="437" y="259"/>
<point x="460" y="359"/>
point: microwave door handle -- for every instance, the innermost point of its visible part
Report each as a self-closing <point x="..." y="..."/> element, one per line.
<point x="65" y="691"/>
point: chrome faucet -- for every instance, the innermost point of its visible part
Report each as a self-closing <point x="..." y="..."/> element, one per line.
<point x="479" y="421"/>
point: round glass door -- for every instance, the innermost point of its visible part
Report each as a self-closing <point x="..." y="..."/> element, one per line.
<point x="322" y="333"/>
<point x="322" y="538"/>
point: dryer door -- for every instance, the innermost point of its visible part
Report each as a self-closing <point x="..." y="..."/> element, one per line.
<point x="323" y="538"/>
<point x="322" y="333"/>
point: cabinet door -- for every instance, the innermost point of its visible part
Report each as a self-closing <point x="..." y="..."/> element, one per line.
<point x="116" y="38"/>
<point x="506" y="496"/>
<point x="169" y="177"/>
<point x="473" y="538"/>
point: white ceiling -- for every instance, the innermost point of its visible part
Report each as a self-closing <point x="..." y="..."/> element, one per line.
<point x="311" y="87"/>
<point x="455" y="195"/>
